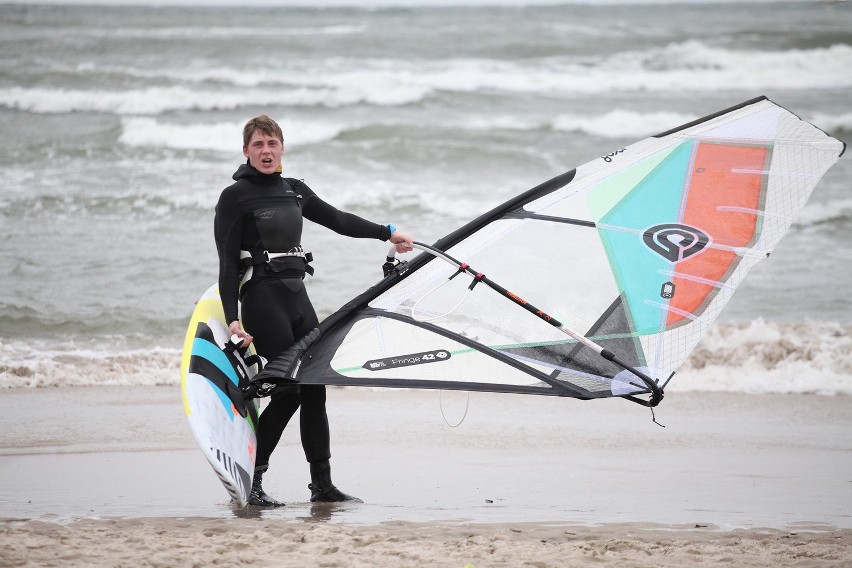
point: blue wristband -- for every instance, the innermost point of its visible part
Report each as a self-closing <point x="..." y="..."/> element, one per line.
<point x="392" y="228"/>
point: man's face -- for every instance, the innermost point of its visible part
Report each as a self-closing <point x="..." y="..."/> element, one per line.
<point x="264" y="152"/>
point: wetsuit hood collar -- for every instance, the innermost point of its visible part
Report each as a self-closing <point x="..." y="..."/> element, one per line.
<point x="247" y="171"/>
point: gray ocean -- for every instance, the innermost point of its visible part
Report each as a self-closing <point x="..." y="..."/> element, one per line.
<point x="121" y="125"/>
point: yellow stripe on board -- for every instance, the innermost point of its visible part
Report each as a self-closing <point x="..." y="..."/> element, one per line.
<point x="210" y="305"/>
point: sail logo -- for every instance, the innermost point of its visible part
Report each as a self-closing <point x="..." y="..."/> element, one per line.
<point x="675" y="242"/>
<point x="608" y="158"/>
<point x="407" y="360"/>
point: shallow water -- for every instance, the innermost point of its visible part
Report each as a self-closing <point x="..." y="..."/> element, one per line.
<point x="722" y="459"/>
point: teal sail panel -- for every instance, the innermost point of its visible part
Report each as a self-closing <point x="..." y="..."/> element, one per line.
<point x="621" y="228"/>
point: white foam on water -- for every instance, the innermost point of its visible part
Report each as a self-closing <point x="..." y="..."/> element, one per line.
<point x="754" y="357"/>
<point x="219" y="136"/>
<point x="832" y="123"/>
<point x="689" y="66"/>
<point x="817" y="213"/>
<point x="46" y="363"/>
<point x="770" y="357"/>
<point x="620" y="123"/>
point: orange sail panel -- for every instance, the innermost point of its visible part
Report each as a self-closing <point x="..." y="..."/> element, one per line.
<point x="725" y="194"/>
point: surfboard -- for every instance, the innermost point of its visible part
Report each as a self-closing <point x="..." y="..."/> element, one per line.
<point x="222" y="421"/>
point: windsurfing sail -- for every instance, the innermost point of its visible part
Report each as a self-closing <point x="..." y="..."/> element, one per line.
<point x="634" y="253"/>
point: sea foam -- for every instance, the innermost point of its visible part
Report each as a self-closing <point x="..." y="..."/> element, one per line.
<point x="219" y="136"/>
<point x="751" y="357"/>
<point x="690" y="66"/>
<point x="621" y="123"/>
<point x="770" y="357"/>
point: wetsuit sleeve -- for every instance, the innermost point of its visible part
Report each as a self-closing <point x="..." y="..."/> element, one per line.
<point x="348" y="224"/>
<point x="228" y="230"/>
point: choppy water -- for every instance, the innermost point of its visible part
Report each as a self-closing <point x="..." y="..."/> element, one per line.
<point x="122" y="125"/>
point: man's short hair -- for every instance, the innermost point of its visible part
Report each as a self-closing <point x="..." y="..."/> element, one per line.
<point x="265" y="125"/>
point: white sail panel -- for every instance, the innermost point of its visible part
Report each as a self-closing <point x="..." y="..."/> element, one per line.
<point x="596" y="283"/>
<point x="383" y="348"/>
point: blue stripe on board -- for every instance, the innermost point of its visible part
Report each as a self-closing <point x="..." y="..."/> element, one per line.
<point x="203" y="348"/>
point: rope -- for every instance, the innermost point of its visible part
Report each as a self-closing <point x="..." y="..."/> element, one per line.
<point x="435" y="289"/>
<point x="466" y="406"/>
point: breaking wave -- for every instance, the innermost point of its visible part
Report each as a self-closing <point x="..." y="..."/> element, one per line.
<point x="681" y="67"/>
<point x="752" y="357"/>
<point x="770" y="357"/>
<point x="220" y="136"/>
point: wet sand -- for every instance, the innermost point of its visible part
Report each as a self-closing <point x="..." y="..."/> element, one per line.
<point x="112" y="477"/>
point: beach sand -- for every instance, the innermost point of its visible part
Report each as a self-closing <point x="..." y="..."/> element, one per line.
<point x="205" y="542"/>
<point x="112" y="477"/>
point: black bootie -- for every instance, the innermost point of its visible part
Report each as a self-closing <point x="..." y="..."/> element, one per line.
<point x="258" y="496"/>
<point x="322" y="489"/>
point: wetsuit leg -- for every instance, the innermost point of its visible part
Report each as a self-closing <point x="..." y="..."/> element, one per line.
<point x="316" y="439"/>
<point x="276" y="313"/>
<point x="266" y="314"/>
<point x="313" y="419"/>
<point x="272" y="422"/>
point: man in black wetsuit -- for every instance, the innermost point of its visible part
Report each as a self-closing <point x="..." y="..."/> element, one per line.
<point x="258" y="230"/>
